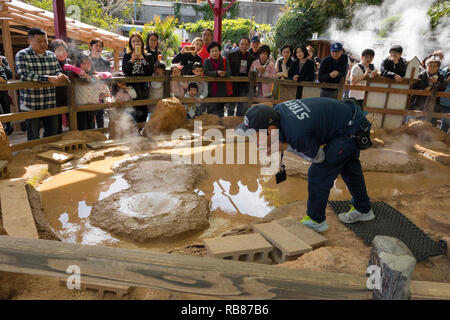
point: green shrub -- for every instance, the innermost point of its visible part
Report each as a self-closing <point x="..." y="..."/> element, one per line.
<point x="232" y="29"/>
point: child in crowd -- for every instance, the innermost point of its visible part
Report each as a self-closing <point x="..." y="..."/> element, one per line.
<point x="191" y="108"/>
<point x="265" y="68"/>
<point x="177" y="88"/>
<point x="156" y="87"/>
<point x="123" y="93"/>
<point x="202" y="86"/>
<point x="88" y="93"/>
<point x="121" y="120"/>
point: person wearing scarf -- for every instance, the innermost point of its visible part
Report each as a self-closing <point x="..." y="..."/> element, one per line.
<point x="214" y="67"/>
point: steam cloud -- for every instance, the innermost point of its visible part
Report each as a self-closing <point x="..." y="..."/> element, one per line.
<point x="411" y="30"/>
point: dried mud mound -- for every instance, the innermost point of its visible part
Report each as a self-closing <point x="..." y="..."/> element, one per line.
<point x="423" y="130"/>
<point x="330" y="259"/>
<point x="169" y="115"/>
<point x="231" y="122"/>
<point x="384" y="160"/>
<point x="88" y="136"/>
<point x="160" y="203"/>
<point x="5" y="153"/>
<point x="373" y="160"/>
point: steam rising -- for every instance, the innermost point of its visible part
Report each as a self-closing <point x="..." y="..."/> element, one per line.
<point x="406" y="23"/>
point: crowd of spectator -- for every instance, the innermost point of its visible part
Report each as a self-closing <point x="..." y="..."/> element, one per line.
<point x="203" y="57"/>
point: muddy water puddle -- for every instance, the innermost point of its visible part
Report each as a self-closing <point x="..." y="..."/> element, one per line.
<point x="238" y="194"/>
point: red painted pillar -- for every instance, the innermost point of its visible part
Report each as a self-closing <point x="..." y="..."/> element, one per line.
<point x="218" y="14"/>
<point x="59" y="19"/>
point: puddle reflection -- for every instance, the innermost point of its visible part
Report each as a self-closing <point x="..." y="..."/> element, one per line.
<point x="237" y="198"/>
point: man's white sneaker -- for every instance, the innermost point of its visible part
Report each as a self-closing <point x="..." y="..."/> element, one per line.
<point x="354" y="215"/>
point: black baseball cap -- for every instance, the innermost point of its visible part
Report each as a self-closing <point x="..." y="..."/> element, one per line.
<point x="258" y="117"/>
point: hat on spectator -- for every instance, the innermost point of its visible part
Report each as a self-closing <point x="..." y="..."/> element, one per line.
<point x="337" y="46"/>
<point x="433" y="59"/>
<point x="255" y="38"/>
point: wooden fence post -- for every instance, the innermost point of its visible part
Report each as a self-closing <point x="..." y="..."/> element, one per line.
<point x="251" y="91"/>
<point x="341" y="89"/>
<point x="167" y="84"/>
<point x="72" y="106"/>
<point x="431" y="103"/>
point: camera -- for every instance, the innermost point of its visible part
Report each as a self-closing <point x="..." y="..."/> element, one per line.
<point x="280" y="176"/>
<point x="371" y="67"/>
<point x="363" y="136"/>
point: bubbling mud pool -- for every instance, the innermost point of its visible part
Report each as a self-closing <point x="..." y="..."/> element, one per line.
<point x="238" y="195"/>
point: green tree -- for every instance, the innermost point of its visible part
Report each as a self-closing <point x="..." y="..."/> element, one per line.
<point x="204" y="10"/>
<point x="303" y="17"/>
<point x="169" y="42"/>
<point x="232" y="29"/>
<point x="103" y="14"/>
<point x="438" y="10"/>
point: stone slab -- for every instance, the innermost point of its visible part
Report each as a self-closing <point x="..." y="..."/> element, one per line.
<point x="298" y="229"/>
<point x="68" y="145"/>
<point x="56" y="156"/>
<point x="289" y="246"/>
<point x="225" y="245"/>
<point x="101" y="287"/>
<point x="17" y="217"/>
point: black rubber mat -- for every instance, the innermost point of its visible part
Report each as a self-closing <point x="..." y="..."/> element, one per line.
<point x="390" y="222"/>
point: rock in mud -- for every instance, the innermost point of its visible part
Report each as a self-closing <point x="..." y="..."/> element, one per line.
<point x="5" y="152"/>
<point x="384" y="160"/>
<point x="296" y="166"/>
<point x="169" y="115"/>
<point x="231" y="122"/>
<point x="373" y="160"/>
<point x="160" y="202"/>
<point x="423" y="130"/>
<point x="208" y="119"/>
<point x="151" y="215"/>
<point x="397" y="265"/>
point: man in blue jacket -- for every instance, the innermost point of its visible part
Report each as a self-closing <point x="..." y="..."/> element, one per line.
<point x="305" y="126"/>
<point x="332" y="69"/>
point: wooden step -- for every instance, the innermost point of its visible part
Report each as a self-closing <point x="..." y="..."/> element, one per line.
<point x="17" y="218"/>
<point x="56" y="156"/>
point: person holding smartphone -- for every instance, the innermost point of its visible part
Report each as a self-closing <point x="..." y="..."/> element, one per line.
<point x="360" y="73"/>
<point x="189" y="55"/>
<point x="137" y="63"/>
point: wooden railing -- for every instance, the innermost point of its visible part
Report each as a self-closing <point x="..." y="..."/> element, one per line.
<point x="72" y="108"/>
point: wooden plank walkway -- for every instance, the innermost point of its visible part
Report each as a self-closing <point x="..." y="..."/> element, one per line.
<point x="189" y="274"/>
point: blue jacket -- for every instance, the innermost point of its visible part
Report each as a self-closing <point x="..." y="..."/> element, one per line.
<point x="329" y="64"/>
<point x="306" y="124"/>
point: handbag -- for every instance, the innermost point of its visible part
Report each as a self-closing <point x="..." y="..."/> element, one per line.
<point x="228" y="84"/>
